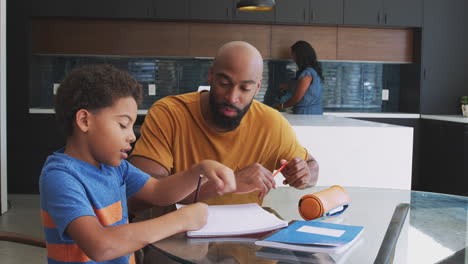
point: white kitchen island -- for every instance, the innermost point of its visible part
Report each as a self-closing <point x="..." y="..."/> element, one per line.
<point x="353" y="152"/>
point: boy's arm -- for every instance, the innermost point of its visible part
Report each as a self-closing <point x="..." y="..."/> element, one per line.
<point x="169" y="190"/>
<point x="105" y="243"/>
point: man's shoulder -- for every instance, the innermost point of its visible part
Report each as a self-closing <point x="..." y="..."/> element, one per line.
<point x="260" y="111"/>
<point x="174" y="101"/>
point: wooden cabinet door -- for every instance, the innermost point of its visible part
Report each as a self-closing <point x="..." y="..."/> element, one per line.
<point x="326" y="12"/>
<point x="173" y="9"/>
<point x="404" y="13"/>
<point x="211" y="10"/>
<point x="292" y="11"/>
<point x="362" y="12"/>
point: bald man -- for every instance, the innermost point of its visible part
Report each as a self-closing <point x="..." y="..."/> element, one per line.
<point x="227" y="125"/>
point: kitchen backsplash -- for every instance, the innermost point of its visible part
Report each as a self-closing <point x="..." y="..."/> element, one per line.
<point x="348" y="86"/>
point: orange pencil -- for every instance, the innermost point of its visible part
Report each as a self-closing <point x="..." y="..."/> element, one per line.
<point x="280" y="169"/>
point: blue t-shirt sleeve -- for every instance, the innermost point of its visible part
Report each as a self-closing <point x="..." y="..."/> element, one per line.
<point x="64" y="198"/>
<point x="134" y="178"/>
<point x="307" y="72"/>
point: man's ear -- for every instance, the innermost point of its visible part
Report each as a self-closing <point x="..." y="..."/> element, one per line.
<point x="259" y="84"/>
<point x="210" y="74"/>
<point x="82" y="120"/>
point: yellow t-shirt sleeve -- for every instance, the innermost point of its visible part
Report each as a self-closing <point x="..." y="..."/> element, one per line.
<point x="155" y="141"/>
<point x="290" y="146"/>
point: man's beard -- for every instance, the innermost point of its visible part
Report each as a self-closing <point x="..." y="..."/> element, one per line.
<point x="226" y="122"/>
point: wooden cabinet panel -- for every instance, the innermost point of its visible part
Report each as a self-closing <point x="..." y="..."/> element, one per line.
<point x="104" y="37"/>
<point x="205" y="39"/>
<point x="365" y="44"/>
<point x="323" y="39"/>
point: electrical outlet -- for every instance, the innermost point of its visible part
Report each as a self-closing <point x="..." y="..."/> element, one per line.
<point x="55" y="87"/>
<point x="152" y="89"/>
<point x="385" y="94"/>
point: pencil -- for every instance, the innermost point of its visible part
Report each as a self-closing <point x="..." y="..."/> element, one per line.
<point x="280" y="169"/>
<point x="198" y="188"/>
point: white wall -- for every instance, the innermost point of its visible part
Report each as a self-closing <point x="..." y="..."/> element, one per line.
<point x="3" y="158"/>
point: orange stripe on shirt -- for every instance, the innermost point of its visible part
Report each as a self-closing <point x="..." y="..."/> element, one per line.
<point x="66" y="253"/>
<point x="132" y="259"/>
<point x="110" y="214"/>
<point x="47" y="220"/>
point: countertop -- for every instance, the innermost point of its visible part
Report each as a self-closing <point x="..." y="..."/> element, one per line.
<point x="450" y="118"/>
<point x="330" y="121"/>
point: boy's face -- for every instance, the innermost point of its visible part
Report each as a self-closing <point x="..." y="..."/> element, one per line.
<point x="111" y="132"/>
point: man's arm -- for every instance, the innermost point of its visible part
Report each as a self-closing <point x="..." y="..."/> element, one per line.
<point x="300" y="173"/>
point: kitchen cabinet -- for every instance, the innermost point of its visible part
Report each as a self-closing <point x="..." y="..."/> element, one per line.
<point x="217" y="10"/>
<point x="415" y="123"/>
<point x="444" y="152"/>
<point x="309" y="11"/>
<point x="401" y="13"/>
<point x="82" y="8"/>
<point x="174" y="9"/>
<point x="444" y="56"/>
<point x="249" y="16"/>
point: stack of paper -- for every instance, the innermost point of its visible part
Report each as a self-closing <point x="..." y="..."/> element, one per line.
<point x="239" y="219"/>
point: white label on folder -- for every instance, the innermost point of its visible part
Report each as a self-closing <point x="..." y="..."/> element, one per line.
<point x="321" y="231"/>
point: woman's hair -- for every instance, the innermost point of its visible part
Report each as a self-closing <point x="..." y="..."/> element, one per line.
<point x="92" y="87"/>
<point x="306" y="57"/>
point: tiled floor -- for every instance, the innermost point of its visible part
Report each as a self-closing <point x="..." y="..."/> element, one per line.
<point x="22" y="217"/>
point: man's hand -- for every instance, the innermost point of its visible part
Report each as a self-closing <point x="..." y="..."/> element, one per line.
<point x="300" y="173"/>
<point x="254" y="178"/>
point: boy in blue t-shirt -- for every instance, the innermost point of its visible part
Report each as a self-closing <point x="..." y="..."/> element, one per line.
<point x="85" y="186"/>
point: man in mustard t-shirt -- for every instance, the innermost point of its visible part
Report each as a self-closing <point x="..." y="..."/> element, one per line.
<point x="226" y="125"/>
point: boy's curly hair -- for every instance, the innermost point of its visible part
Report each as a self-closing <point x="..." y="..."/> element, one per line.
<point x="92" y="87"/>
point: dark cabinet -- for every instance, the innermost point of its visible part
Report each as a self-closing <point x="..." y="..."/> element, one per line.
<point x="309" y="11"/>
<point x="249" y="16"/>
<point x="82" y="8"/>
<point x="326" y="11"/>
<point x="404" y="13"/>
<point x="444" y="156"/>
<point x="174" y="9"/>
<point x="219" y="10"/>
<point x="444" y="55"/>
<point x="292" y="11"/>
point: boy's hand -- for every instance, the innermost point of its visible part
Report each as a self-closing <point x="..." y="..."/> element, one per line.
<point x="255" y="178"/>
<point x="221" y="176"/>
<point x="196" y="215"/>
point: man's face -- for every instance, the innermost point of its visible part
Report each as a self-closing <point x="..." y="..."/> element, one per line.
<point x="231" y="95"/>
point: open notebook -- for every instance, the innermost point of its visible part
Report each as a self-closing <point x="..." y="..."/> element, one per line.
<point x="235" y="220"/>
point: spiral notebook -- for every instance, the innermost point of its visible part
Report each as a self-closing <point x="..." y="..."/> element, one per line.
<point x="235" y="220"/>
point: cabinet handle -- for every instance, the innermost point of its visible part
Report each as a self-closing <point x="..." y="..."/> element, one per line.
<point x="378" y="17"/>
<point x="385" y="18"/>
<point x="313" y="15"/>
<point x="304" y="15"/>
<point x="227" y="11"/>
<point x="424" y="74"/>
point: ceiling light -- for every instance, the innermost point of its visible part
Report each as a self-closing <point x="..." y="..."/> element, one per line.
<point x="255" y="5"/>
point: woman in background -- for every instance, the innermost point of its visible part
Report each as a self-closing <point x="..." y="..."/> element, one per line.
<point x="306" y="97"/>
